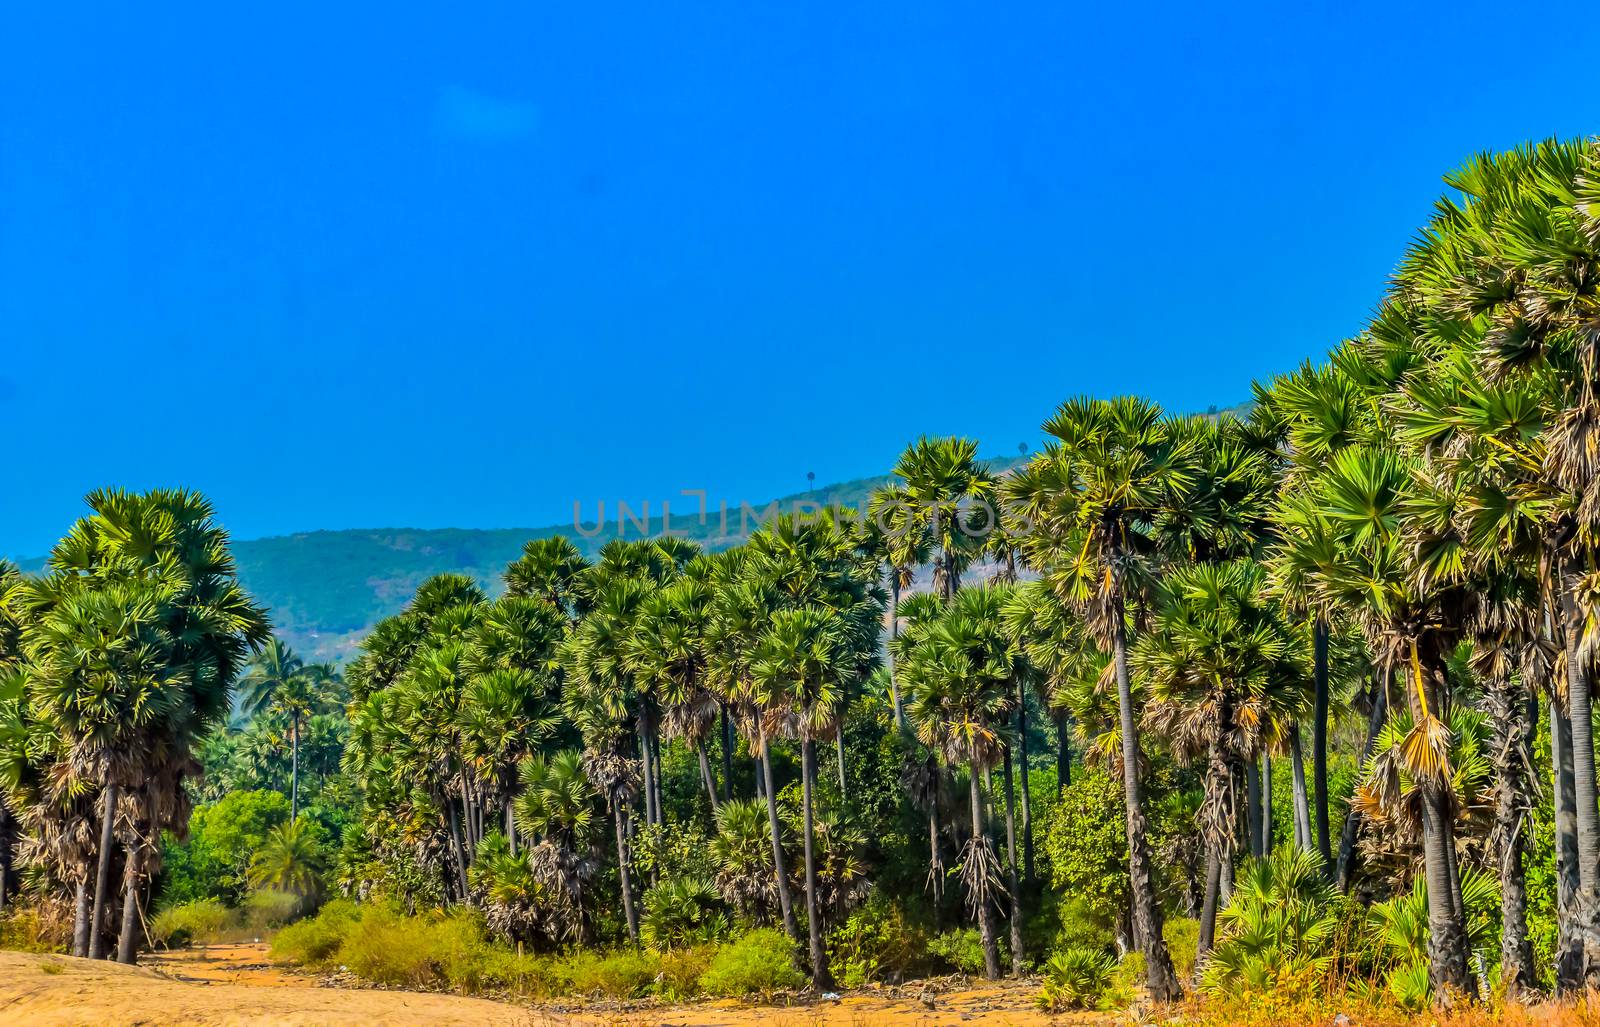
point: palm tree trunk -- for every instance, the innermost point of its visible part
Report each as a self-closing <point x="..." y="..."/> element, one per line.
<point x="1580" y="713"/>
<point x="1011" y="872"/>
<point x="1160" y="978"/>
<point x="128" y="941"/>
<point x="1027" y="802"/>
<point x="727" y="753"/>
<point x="1302" y="806"/>
<point x="780" y="872"/>
<point x="1216" y="823"/>
<point x="894" y="633"/>
<point x="102" y="883"/>
<point x="294" y="768"/>
<point x="1512" y="764"/>
<point x="80" y="916"/>
<point x="838" y="740"/>
<point x="6" y="842"/>
<point x="655" y="777"/>
<point x="624" y="859"/>
<point x="1266" y="805"/>
<point x="1345" y="873"/>
<point x="1319" y="738"/>
<point x="511" y="829"/>
<point x="456" y="844"/>
<point x="1063" y="753"/>
<point x="1447" y="939"/>
<point x="1208" y="908"/>
<point x="1252" y="807"/>
<point x="935" y="862"/>
<point x="643" y="728"/>
<point x="821" y="980"/>
<point x="706" y="778"/>
<point x="991" y="946"/>
<point x="1569" y="940"/>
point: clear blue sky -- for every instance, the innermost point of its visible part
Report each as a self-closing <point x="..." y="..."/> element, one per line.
<point x="349" y="265"/>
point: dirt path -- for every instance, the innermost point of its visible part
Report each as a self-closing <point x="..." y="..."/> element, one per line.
<point x="237" y="985"/>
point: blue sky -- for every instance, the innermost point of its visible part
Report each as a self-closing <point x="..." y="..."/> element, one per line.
<point x="347" y="265"/>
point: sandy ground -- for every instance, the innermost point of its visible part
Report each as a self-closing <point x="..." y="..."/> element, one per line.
<point x="236" y="985"/>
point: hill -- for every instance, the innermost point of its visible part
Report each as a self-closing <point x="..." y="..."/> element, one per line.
<point x="326" y="589"/>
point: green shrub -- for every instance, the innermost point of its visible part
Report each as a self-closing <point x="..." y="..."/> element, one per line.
<point x="962" y="949"/>
<point x="265" y="909"/>
<point x="417" y="952"/>
<point x="876" y="943"/>
<point x="1182" y="935"/>
<point x="621" y="974"/>
<point x="201" y="920"/>
<point x="681" y="970"/>
<point x="36" y="927"/>
<point x="313" y="942"/>
<point x="1077" y="978"/>
<point x="760" y="963"/>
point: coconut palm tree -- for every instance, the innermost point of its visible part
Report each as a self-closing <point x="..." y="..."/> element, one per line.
<point x="1090" y="504"/>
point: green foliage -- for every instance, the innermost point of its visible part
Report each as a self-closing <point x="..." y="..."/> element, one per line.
<point x="1275" y="934"/>
<point x="682" y="912"/>
<point x="1076" y="978"/>
<point x="199" y="920"/>
<point x="877" y="942"/>
<point x="1087" y="845"/>
<point x="223" y="837"/>
<point x="961" y="950"/>
<point x="760" y="963"/>
<point x="314" y="941"/>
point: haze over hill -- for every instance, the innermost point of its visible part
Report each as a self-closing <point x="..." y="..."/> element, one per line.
<point x="326" y="589"/>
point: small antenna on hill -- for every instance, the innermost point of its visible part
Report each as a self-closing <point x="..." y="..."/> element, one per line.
<point x="811" y="480"/>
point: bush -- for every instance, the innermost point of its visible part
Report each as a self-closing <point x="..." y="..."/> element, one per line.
<point x="760" y="963"/>
<point x="418" y="952"/>
<point x="37" y="926"/>
<point x="314" y="941"/>
<point x="876" y="943"/>
<point x="1182" y="935"/>
<point x="622" y="974"/>
<point x="962" y="949"/>
<point x="201" y="920"/>
<point x="1076" y="978"/>
<point x="266" y="908"/>
<point x="681" y="970"/>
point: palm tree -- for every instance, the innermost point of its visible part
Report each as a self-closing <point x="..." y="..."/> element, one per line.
<point x="556" y="807"/>
<point x="291" y="861"/>
<point x="278" y="682"/>
<point x="743" y="605"/>
<point x="1090" y="503"/>
<point x="961" y="679"/>
<point x="796" y="672"/>
<point x="946" y="491"/>
<point x="1376" y="517"/>
<point x="550" y="569"/>
<point x="1222" y="676"/>
<point x="666" y="654"/>
<point x="902" y="545"/>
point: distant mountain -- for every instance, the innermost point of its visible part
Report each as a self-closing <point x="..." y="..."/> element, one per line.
<point x="326" y="589"/>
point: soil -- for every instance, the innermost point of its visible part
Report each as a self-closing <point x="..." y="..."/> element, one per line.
<point x="238" y="985"/>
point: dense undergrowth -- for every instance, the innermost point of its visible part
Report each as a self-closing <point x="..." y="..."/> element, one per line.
<point x="452" y="951"/>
